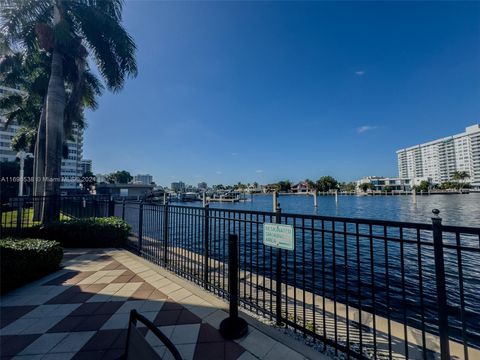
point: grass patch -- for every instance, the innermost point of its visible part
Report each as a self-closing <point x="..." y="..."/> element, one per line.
<point x="9" y="218"/>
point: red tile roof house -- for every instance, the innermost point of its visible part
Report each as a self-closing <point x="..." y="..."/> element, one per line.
<point x="301" y="187"/>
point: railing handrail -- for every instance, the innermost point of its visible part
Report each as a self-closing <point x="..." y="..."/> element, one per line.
<point x="352" y="220"/>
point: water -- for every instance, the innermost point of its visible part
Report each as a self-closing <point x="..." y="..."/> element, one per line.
<point x="456" y="209"/>
<point x="363" y="279"/>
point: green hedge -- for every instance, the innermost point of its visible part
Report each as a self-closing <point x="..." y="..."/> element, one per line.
<point x="25" y="260"/>
<point x="87" y="232"/>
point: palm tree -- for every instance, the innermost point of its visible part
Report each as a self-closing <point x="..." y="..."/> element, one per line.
<point x="62" y="28"/>
<point x="460" y="177"/>
<point x="29" y="72"/>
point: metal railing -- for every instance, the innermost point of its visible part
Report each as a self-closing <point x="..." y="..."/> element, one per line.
<point x="23" y="212"/>
<point x="368" y="288"/>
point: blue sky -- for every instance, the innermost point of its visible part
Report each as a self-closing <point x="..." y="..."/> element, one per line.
<point x="262" y="92"/>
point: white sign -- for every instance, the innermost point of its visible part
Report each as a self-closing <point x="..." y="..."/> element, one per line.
<point x="279" y="235"/>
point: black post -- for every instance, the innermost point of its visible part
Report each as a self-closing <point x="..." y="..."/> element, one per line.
<point x="111" y="207"/>
<point x="123" y="210"/>
<point x="233" y="327"/>
<point x="19" y="201"/>
<point x="278" y="273"/>
<point x="441" y="287"/>
<point x="94" y="204"/>
<point x="206" y="229"/>
<point x="140" y="226"/>
<point x="165" y="233"/>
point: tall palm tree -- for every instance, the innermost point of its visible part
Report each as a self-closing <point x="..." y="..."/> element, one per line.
<point x="29" y="71"/>
<point x="69" y="29"/>
<point x="460" y="177"/>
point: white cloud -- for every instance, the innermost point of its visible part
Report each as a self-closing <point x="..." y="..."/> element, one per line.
<point x="365" y="128"/>
<point x="259" y="171"/>
<point x="360" y="72"/>
<point x="218" y="172"/>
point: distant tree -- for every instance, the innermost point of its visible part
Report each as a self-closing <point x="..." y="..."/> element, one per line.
<point x="284" y="185"/>
<point x="311" y="184"/>
<point x="240" y="186"/>
<point x="387" y="188"/>
<point x="255" y="185"/>
<point x="88" y="180"/>
<point x="366" y="186"/>
<point x="119" y="177"/>
<point x="423" y="186"/>
<point x="351" y="186"/>
<point x="326" y="183"/>
<point x="460" y="177"/>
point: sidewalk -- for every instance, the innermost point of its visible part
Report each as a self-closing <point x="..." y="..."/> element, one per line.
<point x="81" y="312"/>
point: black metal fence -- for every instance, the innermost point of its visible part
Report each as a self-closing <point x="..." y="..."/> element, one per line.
<point x="22" y="212"/>
<point x="368" y="288"/>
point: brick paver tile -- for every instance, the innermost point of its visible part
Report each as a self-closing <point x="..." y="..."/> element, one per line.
<point x="102" y="340"/>
<point x="209" y="351"/>
<point x="10" y="345"/>
<point x="233" y="350"/>
<point x="94" y="322"/>
<point x="9" y="314"/>
<point x="108" y="308"/>
<point x="62" y="278"/>
<point x="187" y="317"/>
<point x="209" y="334"/>
<point x="167" y="317"/>
<point x="89" y="355"/>
<point x="68" y="324"/>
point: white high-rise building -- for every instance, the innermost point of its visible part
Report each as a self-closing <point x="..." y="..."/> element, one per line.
<point x="85" y="166"/>
<point x="439" y="159"/>
<point x="71" y="168"/>
<point x="7" y="134"/>
<point x="145" y="179"/>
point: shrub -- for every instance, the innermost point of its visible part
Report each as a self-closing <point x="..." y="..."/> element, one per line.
<point x="86" y="232"/>
<point x="24" y="260"/>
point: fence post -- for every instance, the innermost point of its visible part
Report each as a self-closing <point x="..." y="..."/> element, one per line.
<point x="278" y="272"/>
<point x="165" y="233"/>
<point x="233" y="327"/>
<point x="441" y="287"/>
<point x="140" y="226"/>
<point x="94" y="204"/>
<point x="123" y="210"/>
<point x="19" y="212"/>
<point x="206" y="230"/>
<point x="111" y="207"/>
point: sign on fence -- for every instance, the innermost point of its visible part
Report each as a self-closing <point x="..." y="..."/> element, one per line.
<point x="279" y="236"/>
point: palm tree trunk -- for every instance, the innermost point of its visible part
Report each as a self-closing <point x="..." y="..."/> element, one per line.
<point x="55" y="109"/>
<point x="39" y="166"/>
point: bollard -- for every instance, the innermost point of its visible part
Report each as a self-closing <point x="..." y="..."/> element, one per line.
<point x="165" y="233"/>
<point x="206" y="231"/>
<point x="233" y="327"/>
<point x="441" y="286"/>
<point x="140" y="227"/>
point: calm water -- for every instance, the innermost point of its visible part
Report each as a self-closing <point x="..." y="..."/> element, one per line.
<point x="341" y="275"/>
<point x="462" y="210"/>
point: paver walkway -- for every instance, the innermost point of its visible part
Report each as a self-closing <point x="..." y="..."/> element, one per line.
<point x="81" y="312"/>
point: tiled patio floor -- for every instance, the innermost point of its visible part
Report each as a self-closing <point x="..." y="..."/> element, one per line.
<point x="81" y="312"/>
